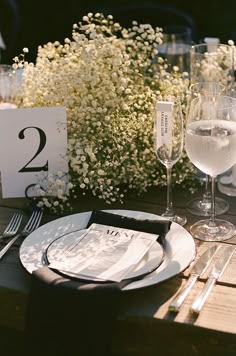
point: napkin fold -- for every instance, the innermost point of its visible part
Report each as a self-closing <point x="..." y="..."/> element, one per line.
<point x="74" y="317"/>
<point x="160" y="227"/>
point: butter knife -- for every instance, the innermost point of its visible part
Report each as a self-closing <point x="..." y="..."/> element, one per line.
<point x="198" y="269"/>
<point x="215" y="273"/>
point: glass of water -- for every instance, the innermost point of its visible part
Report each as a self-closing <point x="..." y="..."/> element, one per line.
<point x="210" y="143"/>
<point x="201" y="206"/>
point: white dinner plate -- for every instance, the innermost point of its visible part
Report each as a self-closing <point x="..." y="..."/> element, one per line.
<point x="179" y="245"/>
<point x="152" y="259"/>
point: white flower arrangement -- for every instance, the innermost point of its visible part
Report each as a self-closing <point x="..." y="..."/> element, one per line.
<point x="109" y="79"/>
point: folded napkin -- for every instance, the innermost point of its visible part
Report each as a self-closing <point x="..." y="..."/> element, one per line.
<point x="68" y="317"/>
<point x="160" y="227"/>
<point x="76" y="317"/>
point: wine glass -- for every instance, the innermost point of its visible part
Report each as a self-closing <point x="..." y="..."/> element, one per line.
<point x="168" y="141"/>
<point x="175" y="47"/>
<point x="212" y="62"/>
<point x="211" y="146"/>
<point x="201" y="206"/>
<point x="9" y="87"/>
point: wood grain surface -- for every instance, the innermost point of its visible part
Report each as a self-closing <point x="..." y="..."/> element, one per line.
<point x="144" y="324"/>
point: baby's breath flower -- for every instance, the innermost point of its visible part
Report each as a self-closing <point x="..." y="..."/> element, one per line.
<point x="106" y="78"/>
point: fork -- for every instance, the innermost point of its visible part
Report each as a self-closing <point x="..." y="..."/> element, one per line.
<point x="32" y="224"/>
<point x="13" y="226"/>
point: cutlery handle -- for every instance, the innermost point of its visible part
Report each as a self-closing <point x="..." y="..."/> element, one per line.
<point x="6" y="248"/>
<point x="178" y="301"/>
<point x="200" y="300"/>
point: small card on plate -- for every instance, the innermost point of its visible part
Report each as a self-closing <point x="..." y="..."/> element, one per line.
<point x="104" y="253"/>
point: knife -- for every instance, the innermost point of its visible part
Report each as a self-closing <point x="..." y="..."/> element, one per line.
<point x="215" y="273"/>
<point x="198" y="269"/>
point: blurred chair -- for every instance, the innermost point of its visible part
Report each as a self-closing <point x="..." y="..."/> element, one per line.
<point x="156" y="14"/>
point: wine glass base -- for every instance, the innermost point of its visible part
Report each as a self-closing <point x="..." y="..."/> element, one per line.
<point x="202" y="230"/>
<point x="181" y="220"/>
<point x="198" y="207"/>
<point x="227" y="189"/>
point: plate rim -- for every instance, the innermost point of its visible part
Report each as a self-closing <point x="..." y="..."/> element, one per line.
<point x="160" y="275"/>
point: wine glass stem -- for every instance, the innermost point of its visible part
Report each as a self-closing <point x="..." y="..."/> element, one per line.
<point x="169" y="207"/>
<point x="207" y="194"/>
<point x="212" y="217"/>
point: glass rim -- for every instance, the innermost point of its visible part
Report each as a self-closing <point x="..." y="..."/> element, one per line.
<point x="179" y="29"/>
<point x="217" y="45"/>
<point x="6" y="70"/>
<point x="173" y="99"/>
<point x="6" y="66"/>
<point x="207" y="82"/>
<point x="204" y="98"/>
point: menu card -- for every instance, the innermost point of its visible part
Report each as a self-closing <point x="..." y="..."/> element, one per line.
<point x="104" y="252"/>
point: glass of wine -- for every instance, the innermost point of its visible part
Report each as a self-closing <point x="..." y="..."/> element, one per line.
<point x="210" y="143"/>
<point x="201" y="206"/>
<point x="168" y="141"/>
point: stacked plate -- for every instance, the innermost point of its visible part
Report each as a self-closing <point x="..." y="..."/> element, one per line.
<point x="158" y="264"/>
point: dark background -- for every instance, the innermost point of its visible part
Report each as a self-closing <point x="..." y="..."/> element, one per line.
<point x="28" y="23"/>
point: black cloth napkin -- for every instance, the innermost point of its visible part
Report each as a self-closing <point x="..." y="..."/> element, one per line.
<point x="76" y="317"/>
<point x="160" y="227"/>
<point x="68" y="317"/>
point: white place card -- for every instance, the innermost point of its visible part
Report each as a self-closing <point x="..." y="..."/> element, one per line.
<point x="164" y="123"/>
<point x="33" y="143"/>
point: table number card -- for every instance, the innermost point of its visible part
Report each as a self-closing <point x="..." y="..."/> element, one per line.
<point x="33" y="142"/>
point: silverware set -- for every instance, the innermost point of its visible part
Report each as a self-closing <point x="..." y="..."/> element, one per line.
<point x="14" y="230"/>
<point x="197" y="271"/>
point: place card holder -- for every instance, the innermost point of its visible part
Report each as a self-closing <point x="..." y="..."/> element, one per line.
<point x="33" y="199"/>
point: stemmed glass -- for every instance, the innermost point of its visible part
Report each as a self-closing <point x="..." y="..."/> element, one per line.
<point x="211" y="146"/>
<point x="212" y="62"/>
<point x="201" y="206"/>
<point x="175" y="47"/>
<point x="9" y="87"/>
<point x="168" y="141"/>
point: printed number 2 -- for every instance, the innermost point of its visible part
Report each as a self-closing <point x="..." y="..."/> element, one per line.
<point x="42" y="143"/>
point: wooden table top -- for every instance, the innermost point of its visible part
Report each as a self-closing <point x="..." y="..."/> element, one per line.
<point x="144" y="324"/>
